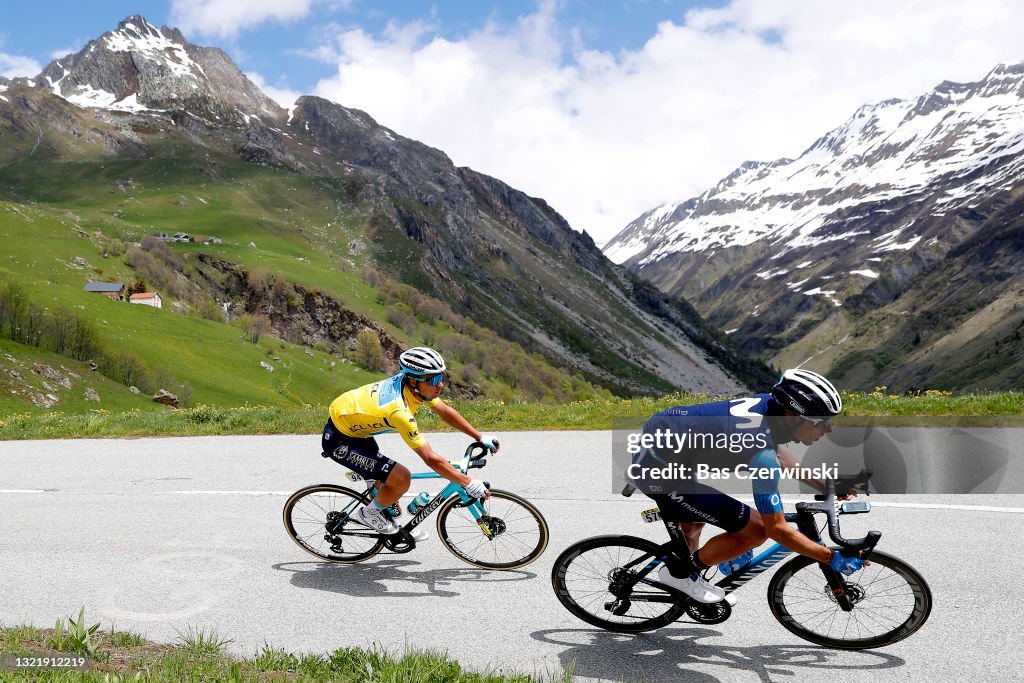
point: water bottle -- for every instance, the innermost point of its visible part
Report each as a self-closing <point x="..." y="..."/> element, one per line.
<point x="418" y="502"/>
<point x="736" y="564"/>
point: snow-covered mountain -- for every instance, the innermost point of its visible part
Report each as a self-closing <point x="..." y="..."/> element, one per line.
<point x="139" y="67"/>
<point x="776" y="251"/>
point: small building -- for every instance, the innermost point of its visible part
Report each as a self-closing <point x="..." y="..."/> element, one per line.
<point x="181" y="237"/>
<point x="146" y="299"/>
<point x="111" y="290"/>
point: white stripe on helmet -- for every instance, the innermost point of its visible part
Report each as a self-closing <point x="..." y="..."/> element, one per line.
<point x="821" y="387"/>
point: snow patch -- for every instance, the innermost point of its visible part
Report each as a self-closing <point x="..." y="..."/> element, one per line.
<point x="769" y="274"/>
<point x="87" y="96"/>
<point x="824" y="292"/>
<point x="150" y="43"/>
<point x="867" y="272"/>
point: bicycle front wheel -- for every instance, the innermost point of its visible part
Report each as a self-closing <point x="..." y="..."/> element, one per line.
<point x="511" y="534"/>
<point x="890" y="602"/>
<point x="585" y="575"/>
<point x="316" y="518"/>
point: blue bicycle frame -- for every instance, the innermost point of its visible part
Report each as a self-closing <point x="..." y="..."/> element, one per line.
<point x="476" y="506"/>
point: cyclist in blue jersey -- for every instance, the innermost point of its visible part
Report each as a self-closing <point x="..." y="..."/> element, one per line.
<point x="748" y="432"/>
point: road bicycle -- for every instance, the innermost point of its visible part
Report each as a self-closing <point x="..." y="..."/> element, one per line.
<point x="607" y="581"/>
<point x="503" y="532"/>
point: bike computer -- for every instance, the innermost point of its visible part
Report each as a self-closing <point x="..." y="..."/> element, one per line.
<point x="854" y="506"/>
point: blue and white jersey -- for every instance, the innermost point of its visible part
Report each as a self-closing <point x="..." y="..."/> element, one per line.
<point x="718" y="435"/>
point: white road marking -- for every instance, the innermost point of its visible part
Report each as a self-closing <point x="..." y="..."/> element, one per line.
<point x="939" y="506"/>
<point x="16" y="491"/>
<point x="922" y="506"/>
<point x="234" y="493"/>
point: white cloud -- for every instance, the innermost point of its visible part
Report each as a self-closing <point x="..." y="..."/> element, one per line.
<point x="605" y="137"/>
<point x="284" y="96"/>
<point x="226" y="18"/>
<point x="13" y="66"/>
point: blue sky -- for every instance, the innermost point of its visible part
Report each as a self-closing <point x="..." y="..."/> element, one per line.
<point x="605" y="109"/>
<point x="280" y="49"/>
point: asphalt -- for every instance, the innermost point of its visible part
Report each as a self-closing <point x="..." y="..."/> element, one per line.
<point x="158" y="536"/>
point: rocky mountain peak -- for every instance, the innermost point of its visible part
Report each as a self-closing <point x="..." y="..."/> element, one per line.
<point x="138" y="68"/>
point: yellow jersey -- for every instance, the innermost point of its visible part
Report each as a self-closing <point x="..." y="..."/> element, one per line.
<point x="385" y="406"/>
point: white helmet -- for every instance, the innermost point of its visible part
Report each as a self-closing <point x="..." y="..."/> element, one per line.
<point x="421" y="361"/>
<point x="807" y="393"/>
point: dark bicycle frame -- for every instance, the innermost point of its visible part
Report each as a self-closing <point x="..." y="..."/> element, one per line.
<point x="829" y="505"/>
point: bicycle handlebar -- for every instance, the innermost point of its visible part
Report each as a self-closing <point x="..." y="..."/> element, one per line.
<point x="830" y="506"/>
<point x="471" y="460"/>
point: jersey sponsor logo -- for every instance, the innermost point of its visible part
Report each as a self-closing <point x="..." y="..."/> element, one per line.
<point x="679" y="498"/>
<point x="361" y="427"/>
<point x="741" y="408"/>
<point x="363" y="461"/>
<point x="775" y="499"/>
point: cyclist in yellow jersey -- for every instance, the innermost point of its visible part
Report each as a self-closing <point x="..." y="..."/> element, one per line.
<point x="390" y="405"/>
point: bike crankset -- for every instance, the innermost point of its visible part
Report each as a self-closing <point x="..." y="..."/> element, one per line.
<point x="400" y="543"/>
<point x="708" y="612"/>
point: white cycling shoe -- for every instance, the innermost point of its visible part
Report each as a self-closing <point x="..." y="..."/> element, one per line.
<point x="382" y="524"/>
<point x="376" y="520"/>
<point x="695" y="587"/>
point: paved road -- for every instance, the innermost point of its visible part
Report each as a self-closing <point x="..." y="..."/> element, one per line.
<point x="153" y="535"/>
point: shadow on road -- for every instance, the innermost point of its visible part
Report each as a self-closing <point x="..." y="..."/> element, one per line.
<point x="670" y="655"/>
<point x="376" y="580"/>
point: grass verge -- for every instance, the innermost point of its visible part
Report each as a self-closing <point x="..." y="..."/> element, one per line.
<point x="928" y="409"/>
<point x="201" y="655"/>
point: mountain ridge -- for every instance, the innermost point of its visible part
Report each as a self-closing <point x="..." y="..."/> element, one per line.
<point x="804" y="259"/>
<point x="506" y="259"/>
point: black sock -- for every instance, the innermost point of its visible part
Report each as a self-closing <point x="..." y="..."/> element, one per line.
<point x="695" y="559"/>
<point x="680" y="564"/>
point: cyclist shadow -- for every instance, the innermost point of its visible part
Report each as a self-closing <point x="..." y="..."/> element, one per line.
<point x="376" y="580"/>
<point x="668" y="656"/>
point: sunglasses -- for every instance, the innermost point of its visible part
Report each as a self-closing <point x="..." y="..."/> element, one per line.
<point x="819" y="422"/>
<point x="432" y="380"/>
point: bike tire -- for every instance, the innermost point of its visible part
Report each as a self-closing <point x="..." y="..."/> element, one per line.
<point x="891" y="601"/>
<point x="582" y="574"/>
<point x="522" y="538"/>
<point x="305" y="518"/>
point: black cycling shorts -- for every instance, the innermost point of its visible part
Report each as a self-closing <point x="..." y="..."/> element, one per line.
<point x="701" y="503"/>
<point x="361" y="455"/>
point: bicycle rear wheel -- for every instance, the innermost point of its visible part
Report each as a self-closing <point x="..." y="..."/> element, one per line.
<point x="890" y="601"/>
<point x="585" y="573"/>
<point x="316" y="518"/>
<point x="512" y="534"/>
